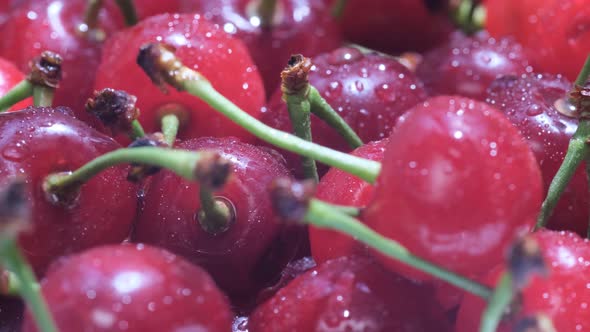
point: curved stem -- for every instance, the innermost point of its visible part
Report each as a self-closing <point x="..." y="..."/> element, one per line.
<point x="19" y="92"/>
<point x="170" y="125"/>
<point x="323" y="215"/>
<point x="300" y="115"/>
<point x="349" y="210"/>
<point x="266" y="12"/>
<point x="13" y="259"/>
<point x="136" y="130"/>
<point x="91" y="14"/>
<point x="127" y="8"/>
<point x="584" y="73"/>
<point x="323" y="110"/>
<point x="215" y="215"/>
<point x="497" y="304"/>
<point x="43" y="96"/>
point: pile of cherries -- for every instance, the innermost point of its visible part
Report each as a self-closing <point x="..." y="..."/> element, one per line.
<point x="148" y="190"/>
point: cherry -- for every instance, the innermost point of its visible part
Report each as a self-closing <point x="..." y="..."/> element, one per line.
<point x="11" y="314"/>
<point x="132" y="288"/>
<point x="200" y="45"/>
<point x="458" y="183"/>
<point x="147" y="8"/>
<point x="9" y="77"/>
<point x="253" y="248"/>
<point x="370" y="91"/>
<point x="562" y="296"/>
<point x="339" y="187"/>
<point x="466" y="65"/>
<point x="36" y="142"/>
<point x="530" y="103"/>
<point x="349" y="294"/>
<point x="294" y="269"/>
<point x="6" y="7"/>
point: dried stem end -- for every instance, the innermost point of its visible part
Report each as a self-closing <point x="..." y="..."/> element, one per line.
<point x="59" y="195"/>
<point x="114" y="108"/>
<point x="139" y="172"/>
<point x="46" y="69"/>
<point x="526" y="260"/>
<point x="295" y="77"/>
<point x="213" y="171"/>
<point x="579" y="97"/>
<point x="290" y="198"/>
<point x="15" y="210"/>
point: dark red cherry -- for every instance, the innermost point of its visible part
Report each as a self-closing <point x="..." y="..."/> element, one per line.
<point x="562" y="296"/>
<point x="200" y="45"/>
<point x="466" y="65"/>
<point x="298" y="27"/>
<point x="339" y="187"/>
<point x="530" y="104"/>
<point x="6" y="7"/>
<point x="36" y="142"/>
<point x="246" y="256"/>
<point x="395" y="26"/>
<point x="132" y="288"/>
<point x="54" y="25"/>
<point x="9" y="77"/>
<point x="147" y="8"/>
<point x="370" y="91"/>
<point x="458" y="183"/>
<point x="349" y="294"/>
<point x="11" y="314"/>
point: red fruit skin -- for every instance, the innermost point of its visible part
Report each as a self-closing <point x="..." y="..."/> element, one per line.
<point x="200" y="45"/>
<point x="11" y="314"/>
<point x="6" y="7"/>
<point x="147" y="8"/>
<point x="458" y="183"/>
<point x="245" y="257"/>
<point x="529" y="103"/>
<point x="132" y="288"/>
<point x="300" y="27"/>
<point x="394" y="26"/>
<point x="36" y="142"/>
<point x="339" y="187"/>
<point x="10" y="76"/>
<point x="563" y="296"/>
<point x="466" y="65"/>
<point x="349" y="294"/>
<point x="53" y="25"/>
<point x="370" y="91"/>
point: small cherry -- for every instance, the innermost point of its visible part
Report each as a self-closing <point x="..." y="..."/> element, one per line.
<point x="10" y="76"/>
<point x="458" y="183"/>
<point x="132" y="288"/>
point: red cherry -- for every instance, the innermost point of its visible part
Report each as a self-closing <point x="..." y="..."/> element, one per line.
<point x="132" y="288"/>
<point x="466" y="65"/>
<point x="299" y="26"/>
<point x="349" y="294"/>
<point x="247" y="256"/>
<point x="370" y="91"/>
<point x="36" y="142"/>
<point x="6" y="7"/>
<point x="147" y="8"/>
<point x="339" y="187"/>
<point x="508" y="18"/>
<point x="563" y="296"/>
<point x="9" y="77"/>
<point x="530" y="104"/>
<point x="458" y="184"/>
<point x="199" y="45"/>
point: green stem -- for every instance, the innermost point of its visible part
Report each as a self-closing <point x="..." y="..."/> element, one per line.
<point x="170" y="125"/>
<point x="349" y="210"/>
<point x="19" y="92"/>
<point x="584" y="73"/>
<point x="43" y="96"/>
<point x="136" y="130"/>
<point x="215" y="216"/>
<point x="323" y="110"/>
<point x="91" y="14"/>
<point x="127" y="8"/>
<point x="300" y="115"/>
<point x="266" y="12"/>
<point x="323" y="215"/>
<point x="13" y="260"/>
<point x="577" y="151"/>
<point x="497" y="304"/>
<point x="338" y="8"/>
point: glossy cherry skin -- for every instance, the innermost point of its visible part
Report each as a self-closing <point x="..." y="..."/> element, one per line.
<point x="458" y="183"/>
<point x="132" y="288"/>
<point x="349" y="294"/>
<point x="394" y="26"/>
<point x="253" y="251"/>
<point x="200" y="45"/>
<point x="530" y="103"/>
<point x="339" y="187"/>
<point x="299" y="27"/>
<point x="6" y="7"/>
<point x="54" y="25"/>
<point x="10" y="76"/>
<point x="36" y="142"/>
<point x="466" y="65"/>
<point x="370" y="91"/>
<point x="563" y="296"/>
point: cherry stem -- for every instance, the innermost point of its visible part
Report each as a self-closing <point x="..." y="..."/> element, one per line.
<point x="324" y="215"/>
<point x="170" y="125"/>
<point x="497" y="304"/>
<point x="469" y="16"/>
<point x="127" y="8"/>
<point x="162" y="66"/>
<point x="338" y="8"/>
<point x="91" y="14"/>
<point x="323" y="110"/>
<point x="9" y="283"/>
<point x="352" y="211"/>
<point x="43" y="96"/>
<point x="19" y="92"/>
<point x="584" y="73"/>
<point x="216" y="214"/>
<point x="136" y="130"/>
<point x="266" y="12"/>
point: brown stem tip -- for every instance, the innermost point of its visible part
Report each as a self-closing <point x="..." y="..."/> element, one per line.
<point x="537" y="323"/>
<point x="525" y="259"/>
<point x="290" y="198"/>
<point x="114" y="108"/>
<point x="294" y="78"/>
<point x="138" y="171"/>
<point x="46" y="69"/>
<point x="14" y="209"/>
<point x="580" y="99"/>
<point x="213" y="171"/>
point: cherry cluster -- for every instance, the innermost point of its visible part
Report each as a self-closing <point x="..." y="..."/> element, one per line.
<point x="294" y="165"/>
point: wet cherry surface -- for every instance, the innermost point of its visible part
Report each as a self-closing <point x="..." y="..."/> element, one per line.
<point x="9" y="77"/>
<point x="132" y="288"/>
